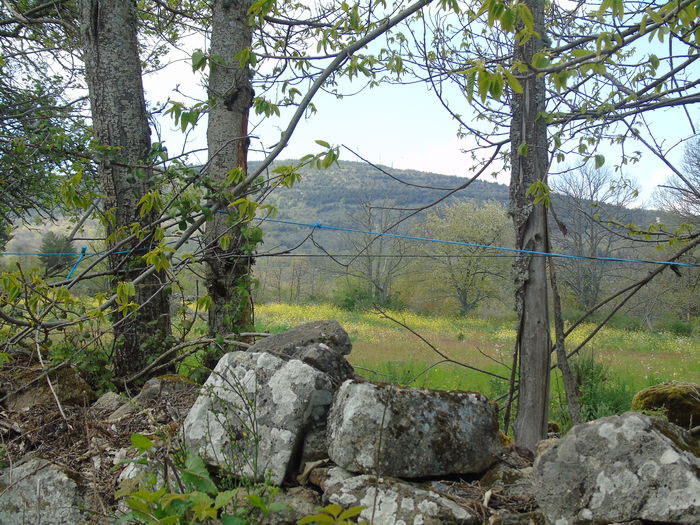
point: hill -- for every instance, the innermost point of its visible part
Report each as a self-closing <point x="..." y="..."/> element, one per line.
<point x="336" y="196"/>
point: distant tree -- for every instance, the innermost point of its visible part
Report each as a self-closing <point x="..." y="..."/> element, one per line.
<point x="469" y="274"/>
<point x="378" y="260"/>
<point x="56" y="253"/>
<point x="682" y="195"/>
<point x="588" y="199"/>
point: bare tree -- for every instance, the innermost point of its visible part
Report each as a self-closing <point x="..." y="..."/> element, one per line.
<point x="379" y="259"/>
<point x="590" y="200"/>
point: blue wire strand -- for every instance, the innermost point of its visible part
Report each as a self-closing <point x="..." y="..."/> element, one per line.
<point x="83" y="250"/>
<point x="318" y="225"/>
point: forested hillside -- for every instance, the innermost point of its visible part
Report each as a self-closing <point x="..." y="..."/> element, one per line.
<point x="334" y="195"/>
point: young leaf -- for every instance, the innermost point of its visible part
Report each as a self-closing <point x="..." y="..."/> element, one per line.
<point x="199" y="60"/>
<point x="141" y="442"/>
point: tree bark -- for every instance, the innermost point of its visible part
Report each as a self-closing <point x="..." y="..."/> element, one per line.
<point x="529" y="164"/>
<point x="230" y="94"/>
<point x="119" y="121"/>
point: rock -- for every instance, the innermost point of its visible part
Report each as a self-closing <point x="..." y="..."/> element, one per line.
<point x="321" y="344"/>
<point x="107" y="404"/>
<point x="679" y="401"/>
<point x="167" y="393"/>
<point x="393" y="502"/>
<point x="621" y="469"/>
<point x="329" y="333"/>
<point x="253" y="414"/>
<point x="511" y="483"/>
<point x="410" y="432"/>
<point x="41" y="493"/>
<point x="302" y="502"/>
<point x="543" y="445"/>
<point x="68" y="384"/>
<point x="504" y="517"/>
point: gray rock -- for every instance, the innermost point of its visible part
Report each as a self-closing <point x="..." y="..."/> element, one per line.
<point x="253" y="414"/>
<point x="107" y="404"/>
<point x="513" y="483"/>
<point x="321" y="344"/>
<point x="40" y="492"/>
<point x="329" y="333"/>
<point x="326" y="359"/>
<point x="392" y="502"/>
<point x="621" y="469"/>
<point x="410" y="433"/>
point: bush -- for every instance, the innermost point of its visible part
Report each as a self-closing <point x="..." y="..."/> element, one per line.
<point x="602" y="393"/>
<point x="676" y="327"/>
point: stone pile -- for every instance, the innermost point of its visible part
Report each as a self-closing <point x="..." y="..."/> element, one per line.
<point x="290" y="411"/>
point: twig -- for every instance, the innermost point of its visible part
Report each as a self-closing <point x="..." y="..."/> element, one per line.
<point x="48" y="379"/>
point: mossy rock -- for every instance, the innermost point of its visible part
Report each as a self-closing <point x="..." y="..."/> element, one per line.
<point x="679" y="401"/>
<point x="70" y="388"/>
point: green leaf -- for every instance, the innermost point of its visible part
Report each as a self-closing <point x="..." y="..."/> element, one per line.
<point x="199" y="60"/>
<point x="223" y="498"/>
<point x="141" y="442"/>
<point x="227" y="519"/>
<point x="323" y="143"/>
<point x="196" y="474"/>
<point x="522" y="150"/>
<point x="654" y="61"/>
<point x="513" y="82"/>
<point x="277" y="506"/>
<point x="225" y="242"/>
<point x="351" y="512"/>
<point x="599" y="161"/>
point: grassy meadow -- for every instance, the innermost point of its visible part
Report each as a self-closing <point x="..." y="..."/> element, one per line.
<point x="614" y="365"/>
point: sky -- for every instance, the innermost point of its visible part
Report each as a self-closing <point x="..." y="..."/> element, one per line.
<point x="403" y="127"/>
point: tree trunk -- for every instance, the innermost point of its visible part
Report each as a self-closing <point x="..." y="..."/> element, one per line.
<point x="231" y="94"/>
<point x="119" y="120"/>
<point x="528" y="165"/>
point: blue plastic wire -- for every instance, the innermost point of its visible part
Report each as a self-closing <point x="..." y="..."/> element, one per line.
<point x="318" y="225"/>
<point x="122" y="252"/>
<point x="83" y="251"/>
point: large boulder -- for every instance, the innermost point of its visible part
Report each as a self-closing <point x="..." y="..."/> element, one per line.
<point x="392" y="502"/>
<point x="410" y="432"/>
<point x="254" y="412"/>
<point x="620" y="469"/>
<point x="679" y="401"/>
<point x="321" y="344"/>
<point x="329" y="333"/>
<point x="40" y="492"/>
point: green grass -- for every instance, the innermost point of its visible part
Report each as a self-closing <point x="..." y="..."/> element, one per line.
<point x="617" y="362"/>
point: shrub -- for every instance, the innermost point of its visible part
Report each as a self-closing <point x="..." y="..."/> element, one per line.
<point x="602" y="393"/>
<point x="676" y="327"/>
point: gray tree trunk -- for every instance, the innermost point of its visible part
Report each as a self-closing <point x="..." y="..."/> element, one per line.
<point x="530" y="223"/>
<point x="119" y="120"/>
<point x="230" y="92"/>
